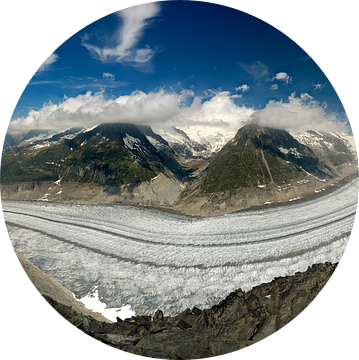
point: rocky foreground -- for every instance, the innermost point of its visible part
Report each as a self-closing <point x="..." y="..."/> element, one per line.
<point x="240" y="320"/>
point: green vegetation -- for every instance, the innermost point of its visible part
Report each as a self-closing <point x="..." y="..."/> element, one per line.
<point x="107" y="163"/>
<point x="243" y="166"/>
<point x="18" y="165"/>
<point x="256" y="156"/>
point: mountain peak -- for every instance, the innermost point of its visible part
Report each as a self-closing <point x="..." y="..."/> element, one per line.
<point x="258" y="165"/>
<point x="260" y="156"/>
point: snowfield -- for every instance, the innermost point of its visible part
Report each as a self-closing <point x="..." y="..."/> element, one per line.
<point x="154" y="260"/>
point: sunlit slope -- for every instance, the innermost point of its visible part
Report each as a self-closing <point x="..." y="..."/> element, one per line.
<point x="260" y="156"/>
<point x="110" y="154"/>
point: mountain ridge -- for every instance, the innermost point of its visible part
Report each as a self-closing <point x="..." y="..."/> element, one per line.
<point x="132" y="164"/>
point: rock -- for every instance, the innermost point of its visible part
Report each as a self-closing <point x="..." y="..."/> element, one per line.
<point x="183" y="325"/>
<point x="119" y="340"/>
<point x="144" y="318"/>
<point x="226" y="312"/>
<point x="244" y="328"/>
<point x="124" y="328"/>
<point x="91" y="325"/>
<point x="158" y="316"/>
<point x="142" y="331"/>
<point x="238" y="321"/>
<point x="158" y="329"/>
<point x="196" y="311"/>
<point x="186" y="319"/>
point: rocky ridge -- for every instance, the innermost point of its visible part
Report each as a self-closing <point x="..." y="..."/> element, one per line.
<point x="240" y="320"/>
<point x="133" y="165"/>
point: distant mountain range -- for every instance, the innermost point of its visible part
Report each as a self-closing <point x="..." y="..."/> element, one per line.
<point x="190" y="170"/>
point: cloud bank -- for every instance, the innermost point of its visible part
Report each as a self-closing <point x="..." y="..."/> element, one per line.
<point x="298" y="114"/>
<point x="162" y="108"/>
<point x="159" y="108"/>
<point x="126" y="38"/>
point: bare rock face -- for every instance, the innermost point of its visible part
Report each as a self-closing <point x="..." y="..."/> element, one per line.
<point x="240" y="320"/>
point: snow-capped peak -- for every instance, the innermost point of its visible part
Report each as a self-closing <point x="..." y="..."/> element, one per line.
<point x="196" y="141"/>
<point x="320" y="139"/>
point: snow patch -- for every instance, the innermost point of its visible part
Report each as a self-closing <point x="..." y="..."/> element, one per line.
<point x="292" y="151"/>
<point x="40" y="146"/>
<point x="130" y="140"/>
<point x="154" y="142"/>
<point x="156" y="177"/>
<point x="297" y="198"/>
<point x="283" y="150"/>
<point x="87" y="129"/>
<point x="92" y="302"/>
<point x="199" y="140"/>
<point x="328" y="144"/>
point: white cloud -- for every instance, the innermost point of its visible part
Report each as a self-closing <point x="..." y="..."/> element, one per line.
<point x="282" y="76"/>
<point x="297" y="114"/>
<point x="242" y="88"/>
<point x="318" y="86"/>
<point x="46" y="64"/>
<point x="257" y="70"/>
<point x="135" y="19"/>
<point x="274" y="87"/>
<point x="108" y="76"/>
<point x="219" y="111"/>
<point x="162" y="108"/>
<point x="158" y="108"/>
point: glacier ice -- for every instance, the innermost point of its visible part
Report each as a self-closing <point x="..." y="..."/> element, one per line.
<point x="150" y="259"/>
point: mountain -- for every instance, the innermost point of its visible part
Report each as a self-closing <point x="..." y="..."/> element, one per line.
<point x="331" y="148"/>
<point x="259" y="156"/>
<point x="196" y="141"/>
<point x="262" y="165"/>
<point x="136" y="165"/>
<point x="108" y="154"/>
<point x="11" y="141"/>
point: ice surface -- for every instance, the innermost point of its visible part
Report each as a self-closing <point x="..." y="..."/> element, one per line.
<point x="153" y="260"/>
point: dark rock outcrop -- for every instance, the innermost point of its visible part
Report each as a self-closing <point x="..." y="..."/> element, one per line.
<point x="240" y="320"/>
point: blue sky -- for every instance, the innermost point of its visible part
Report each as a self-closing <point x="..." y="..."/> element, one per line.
<point x="178" y="63"/>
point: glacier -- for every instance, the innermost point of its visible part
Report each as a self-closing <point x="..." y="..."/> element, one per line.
<point x="149" y="259"/>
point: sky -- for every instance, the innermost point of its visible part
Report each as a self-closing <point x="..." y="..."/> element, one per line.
<point x="179" y="63"/>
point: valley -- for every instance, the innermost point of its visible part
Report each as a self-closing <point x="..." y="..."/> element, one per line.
<point x="134" y="165"/>
<point x="153" y="260"/>
<point x="137" y="220"/>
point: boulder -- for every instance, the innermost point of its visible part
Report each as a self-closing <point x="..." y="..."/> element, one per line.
<point x="240" y="320"/>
